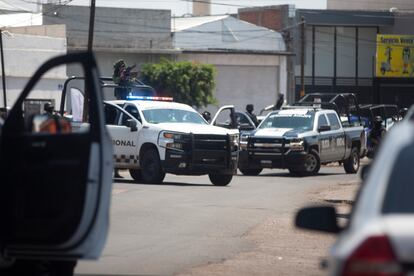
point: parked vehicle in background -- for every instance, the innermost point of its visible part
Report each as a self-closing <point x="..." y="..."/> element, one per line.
<point x="389" y="115"/>
<point x="379" y="238"/>
<point x="300" y="139"/>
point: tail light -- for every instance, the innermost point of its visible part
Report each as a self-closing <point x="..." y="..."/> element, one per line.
<point x="374" y="256"/>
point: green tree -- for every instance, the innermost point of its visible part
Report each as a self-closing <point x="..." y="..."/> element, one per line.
<point x="188" y="82"/>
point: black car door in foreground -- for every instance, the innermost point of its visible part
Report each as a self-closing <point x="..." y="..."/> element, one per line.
<point x="55" y="180"/>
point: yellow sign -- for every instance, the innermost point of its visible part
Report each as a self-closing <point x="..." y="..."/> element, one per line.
<point x="395" y="56"/>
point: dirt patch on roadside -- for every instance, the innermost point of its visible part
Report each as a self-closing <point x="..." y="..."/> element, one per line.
<point x="281" y="249"/>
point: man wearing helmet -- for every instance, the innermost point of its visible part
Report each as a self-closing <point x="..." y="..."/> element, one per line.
<point x="377" y="133"/>
<point x="249" y="109"/>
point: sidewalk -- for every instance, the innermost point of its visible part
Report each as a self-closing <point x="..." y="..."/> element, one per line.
<point x="282" y="249"/>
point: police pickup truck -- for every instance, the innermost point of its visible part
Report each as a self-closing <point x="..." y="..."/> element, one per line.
<point x="300" y="139"/>
<point x="152" y="137"/>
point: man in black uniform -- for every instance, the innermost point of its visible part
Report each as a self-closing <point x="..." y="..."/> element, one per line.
<point x="377" y="133"/>
<point x="249" y="109"/>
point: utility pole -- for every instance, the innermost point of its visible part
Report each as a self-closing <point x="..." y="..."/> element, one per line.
<point x="3" y="74"/>
<point x="90" y="48"/>
<point x="302" y="56"/>
<point x="91" y="25"/>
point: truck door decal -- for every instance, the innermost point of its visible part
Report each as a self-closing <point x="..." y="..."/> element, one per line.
<point x="129" y="159"/>
<point x="340" y="142"/>
<point x="325" y="143"/>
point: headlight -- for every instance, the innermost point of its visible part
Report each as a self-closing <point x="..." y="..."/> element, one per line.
<point x="234" y="142"/>
<point x="234" y="139"/>
<point x="172" y="140"/>
<point x="244" y="139"/>
<point x="297" y="144"/>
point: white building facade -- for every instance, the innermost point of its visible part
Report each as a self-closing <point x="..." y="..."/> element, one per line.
<point x="250" y="60"/>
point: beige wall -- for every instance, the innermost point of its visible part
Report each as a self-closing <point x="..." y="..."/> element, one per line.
<point x="42" y="30"/>
<point x="201" y="9"/>
<point x="370" y="4"/>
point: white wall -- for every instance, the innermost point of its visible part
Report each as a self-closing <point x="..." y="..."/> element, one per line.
<point x="23" y="55"/>
<point x="243" y="79"/>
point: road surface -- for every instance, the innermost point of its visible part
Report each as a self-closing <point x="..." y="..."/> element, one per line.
<point x="186" y="222"/>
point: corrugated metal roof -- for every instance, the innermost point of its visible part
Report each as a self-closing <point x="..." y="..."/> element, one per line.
<point x="225" y="33"/>
<point x="20" y="19"/>
<point x="184" y="23"/>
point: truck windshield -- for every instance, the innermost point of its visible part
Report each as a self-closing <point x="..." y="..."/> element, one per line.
<point x="294" y="121"/>
<point x="156" y="116"/>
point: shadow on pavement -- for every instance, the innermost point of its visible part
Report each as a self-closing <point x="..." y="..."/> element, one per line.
<point x="130" y="181"/>
<point x="287" y="174"/>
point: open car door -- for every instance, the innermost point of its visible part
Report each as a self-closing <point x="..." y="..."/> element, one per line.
<point x="225" y="117"/>
<point x="55" y="180"/>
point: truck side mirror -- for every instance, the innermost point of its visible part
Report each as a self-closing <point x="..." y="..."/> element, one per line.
<point x="323" y="128"/>
<point x="132" y="125"/>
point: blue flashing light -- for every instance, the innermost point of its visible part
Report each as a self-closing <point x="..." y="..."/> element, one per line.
<point x="149" y="98"/>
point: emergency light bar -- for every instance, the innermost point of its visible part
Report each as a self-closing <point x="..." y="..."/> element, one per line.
<point x="150" y="98"/>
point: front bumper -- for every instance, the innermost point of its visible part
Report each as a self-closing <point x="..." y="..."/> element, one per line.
<point x="259" y="160"/>
<point x="204" y="156"/>
<point x="270" y="153"/>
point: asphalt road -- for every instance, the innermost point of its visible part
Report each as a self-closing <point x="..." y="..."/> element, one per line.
<point x="186" y="222"/>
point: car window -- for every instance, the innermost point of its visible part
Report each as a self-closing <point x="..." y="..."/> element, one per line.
<point x="111" y="114"/>
<point x="334" y="121"/>
<point x="322" y="120"/>
<point x="133" y="110"/>
<point x="242" y="119"/>
<point x="400" y="190"/>
<point x="156" y="116"/>
<point x="124" y="118"/>
<point x="294" y="121"/>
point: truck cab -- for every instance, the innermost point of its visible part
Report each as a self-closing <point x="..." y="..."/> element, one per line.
<point x="300" y="139"/>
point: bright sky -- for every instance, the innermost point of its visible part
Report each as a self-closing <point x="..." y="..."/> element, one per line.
<point x="180" y="7"/>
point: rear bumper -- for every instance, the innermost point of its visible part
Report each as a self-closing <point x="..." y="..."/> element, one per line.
<point x="259" y="160"/>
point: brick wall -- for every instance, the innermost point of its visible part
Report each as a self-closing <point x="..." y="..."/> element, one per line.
<point x="269" y="18"/>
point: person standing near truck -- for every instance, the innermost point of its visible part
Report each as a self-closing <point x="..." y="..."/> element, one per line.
<point x="376" y="135"/>
<point x="249" y="111"/>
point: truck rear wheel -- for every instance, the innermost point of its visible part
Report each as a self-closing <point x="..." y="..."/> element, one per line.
<point x="136" y="175"/>
<point x="351" y="165"/>
<point x="220" y="179"/>
<point x="151" y="169"/>
<point x="251" y="171"/>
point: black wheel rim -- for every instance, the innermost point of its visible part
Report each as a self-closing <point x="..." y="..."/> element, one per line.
<point x="310" y="163"/>
<point x="355" y="161"/>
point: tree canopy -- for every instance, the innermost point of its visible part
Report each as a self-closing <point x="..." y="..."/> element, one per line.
<point x="187" y="82"/>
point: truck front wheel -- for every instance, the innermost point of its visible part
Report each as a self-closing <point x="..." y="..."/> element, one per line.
<point x="151" y="169"/>
<point x="136" y="175"/>
<point x="220" y="179"/>
<point x="351" y="165"/>
<point x="312" y="163"/>
<point x="251" y="171"/>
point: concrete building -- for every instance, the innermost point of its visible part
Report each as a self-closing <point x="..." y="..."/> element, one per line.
<point x="25" y="49"/>
<point x="279" y="18"/>
<point x="250" y="60"/>
<point x="385" y="5"/>
<point x="340" y="49"/>
<point x="136" y="35"/>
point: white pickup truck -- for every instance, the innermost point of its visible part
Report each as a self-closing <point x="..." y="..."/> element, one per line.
<point x="152" y="138"/>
